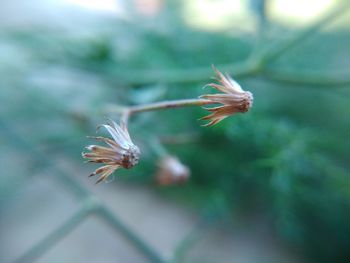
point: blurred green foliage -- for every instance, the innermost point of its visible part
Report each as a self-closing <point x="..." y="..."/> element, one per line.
<point x="286" y="161"/>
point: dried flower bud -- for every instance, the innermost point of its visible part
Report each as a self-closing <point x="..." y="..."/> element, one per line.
<point x="171" y="171"/>
<point x="120" y="153"/>
<point x="233" y="99"/>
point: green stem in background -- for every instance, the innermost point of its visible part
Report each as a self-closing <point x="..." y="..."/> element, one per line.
<point x="158" y="148"/>
<point x="255" y="63"/>
<point x="54" y="237"/>
<point x="193" y="75"/>
<point x="275" y="51"/>
<point x="134" y="239"/>
<point x="179" y="138"/>
<point x="182" y="249"/>
<point x="261" y="19"/>
<point x="310" y="79"/>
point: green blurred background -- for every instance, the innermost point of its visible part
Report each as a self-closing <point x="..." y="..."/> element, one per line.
<point x="271" y="185"/>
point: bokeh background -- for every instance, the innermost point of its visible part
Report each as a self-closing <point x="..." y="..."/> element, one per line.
<point x="271" y="185"/>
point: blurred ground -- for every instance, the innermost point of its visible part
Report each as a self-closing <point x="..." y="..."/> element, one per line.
<point x="161" y="223"/>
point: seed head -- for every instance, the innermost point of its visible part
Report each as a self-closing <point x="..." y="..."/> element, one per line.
<point x="233" y="99"/>
<point x="171" y="171"/>
<point x="120" y="153"/>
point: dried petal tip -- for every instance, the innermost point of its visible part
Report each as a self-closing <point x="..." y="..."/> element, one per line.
<point x="171" y="171"/>
<point x="121" y="152"/>
<point x="233" y="99"/>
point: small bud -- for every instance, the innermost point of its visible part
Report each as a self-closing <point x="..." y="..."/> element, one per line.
<point x="233" y="99"/>
<point x="120" y="153"/>
<point x="171" y="171"/>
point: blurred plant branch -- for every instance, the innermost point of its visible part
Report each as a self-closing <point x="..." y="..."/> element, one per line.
<point x="308" y="78"/>
<point x="255" y="64"/>
<point x="182" y="138"/>
<point x="278" y="49"/>
<point x="140" y="77"/>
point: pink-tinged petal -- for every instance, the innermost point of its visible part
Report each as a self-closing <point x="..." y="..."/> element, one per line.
<point x="214" y="121"/>
<point x="102" y="169"/>
<point x="105" y="156"/>
<point x="227" y="99"/>
<point x="106" y="140"/>
<point x="116" y="136"/>
<point x="218" y="87"/>
<point x="106" y="174"/>
<point x="219" y="113"/>
<point x="123" y="132"/>
<point x="235" y="86"/>
<point x="101" y="160"/>
<point x="100" y="150"/>
<point x="225" y="82"/>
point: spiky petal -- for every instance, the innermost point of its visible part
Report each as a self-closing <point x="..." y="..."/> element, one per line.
<point x="233" y="99"/>
<point x="120" y="153"/>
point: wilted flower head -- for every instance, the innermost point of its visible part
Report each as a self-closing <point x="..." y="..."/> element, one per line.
<point x="233" y="99"/>
<point x="120" y="153"/>
<point x="171" y="171"/>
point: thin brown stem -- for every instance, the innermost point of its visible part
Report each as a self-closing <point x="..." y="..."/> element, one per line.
<point x="127" y="112"/>
<point x="168" y="105"/>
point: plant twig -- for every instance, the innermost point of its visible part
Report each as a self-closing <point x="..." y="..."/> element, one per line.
<point x="142" y="77"/>
<point x="275" y="51"/>
<point x="309" y="79"/>
<point x="54" y="237"/>
<point x="255" y="63"/>
<point x="128" y="111"/>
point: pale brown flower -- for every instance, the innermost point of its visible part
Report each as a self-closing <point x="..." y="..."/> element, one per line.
<point x="233" y="99"/>
<point x="120" y="153"/>
<point x="171" y="171"/>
